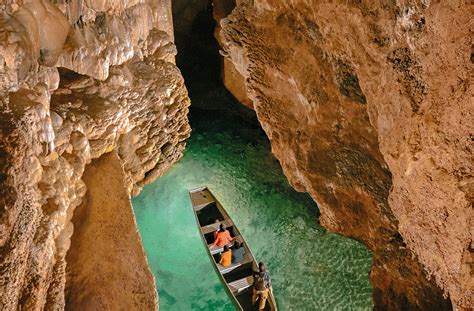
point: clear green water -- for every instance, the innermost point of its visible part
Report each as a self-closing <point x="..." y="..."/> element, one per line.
<point x="311" y="268"/>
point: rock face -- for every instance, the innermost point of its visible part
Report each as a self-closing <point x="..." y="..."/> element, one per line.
<point x="368" y="107"/>
<point x="100" y="274"/>
<point x="79" y="79"/>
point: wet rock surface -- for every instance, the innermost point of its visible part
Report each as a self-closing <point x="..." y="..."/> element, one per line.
<point x="78" y="80"/>
<point x="368" y="107"/>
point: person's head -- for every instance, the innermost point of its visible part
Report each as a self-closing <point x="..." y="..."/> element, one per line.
<point x="262" y="267"/>
<point x="226" y="248"/>
<point x="237" y="245"/>
<point x="222" y="228"/>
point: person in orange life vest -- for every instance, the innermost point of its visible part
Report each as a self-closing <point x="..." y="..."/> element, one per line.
<point x="222" y="237"/>
<point x="226" y="256"/>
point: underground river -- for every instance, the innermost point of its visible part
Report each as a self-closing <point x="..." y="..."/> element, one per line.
<point x="311" y="269"/>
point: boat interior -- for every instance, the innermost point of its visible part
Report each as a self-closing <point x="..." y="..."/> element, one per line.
<point x="238" y="276"/>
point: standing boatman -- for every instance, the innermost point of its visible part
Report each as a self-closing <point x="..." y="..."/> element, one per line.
<point x="262" y="285"/>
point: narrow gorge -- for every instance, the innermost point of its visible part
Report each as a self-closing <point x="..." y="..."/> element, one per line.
<point x="367" y="107"/>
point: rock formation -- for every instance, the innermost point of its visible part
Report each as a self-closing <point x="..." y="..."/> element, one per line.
<point x="368" y="107"/>
<point x="80" y="79"/>
<point x="106" y="267"/>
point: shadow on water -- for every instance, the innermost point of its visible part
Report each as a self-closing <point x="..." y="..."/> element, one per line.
<point x="311" y="268"/>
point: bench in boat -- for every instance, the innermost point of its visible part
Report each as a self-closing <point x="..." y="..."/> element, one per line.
<point x="201" y="199"/>
<point x="215" y="226"/>
<point x="224" y="270"/>
<point x="240" y="285"/>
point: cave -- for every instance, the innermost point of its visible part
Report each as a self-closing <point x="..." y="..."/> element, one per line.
<point x="338" y="136"/>
<point x="199" y="60"/>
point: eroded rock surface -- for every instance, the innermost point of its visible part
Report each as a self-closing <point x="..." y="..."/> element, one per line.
<point x="100" y="277"/>
<point x="78" y="79"/>
<point x="368" y="106"/>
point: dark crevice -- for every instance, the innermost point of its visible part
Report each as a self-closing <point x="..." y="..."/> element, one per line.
<point x="200" y="63"/>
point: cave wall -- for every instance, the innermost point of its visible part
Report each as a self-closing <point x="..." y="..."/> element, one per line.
<point x="106" y="267"/>
<point x="368" y="107"/>
<point x="78" y="79"/>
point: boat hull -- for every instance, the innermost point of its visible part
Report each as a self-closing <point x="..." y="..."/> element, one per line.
<point x="237" y="278"/>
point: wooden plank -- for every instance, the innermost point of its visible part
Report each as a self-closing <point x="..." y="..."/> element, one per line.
<point x="198" y="189"/>
<point x="215" y="226"/>
<point x="241" y="285"/>
<point x="224" y="270"/>
<point x="228" y="269"/>
<point x="201" y="199"/>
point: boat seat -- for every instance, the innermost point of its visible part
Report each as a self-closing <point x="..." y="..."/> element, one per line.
<point x="201" y="199"/>
<point x="233" y="266"/>
<point x="240" y="285"/>
<point x="225" y="270"/>
<point x="220" y="249"/>
<point x="215" y="226"/>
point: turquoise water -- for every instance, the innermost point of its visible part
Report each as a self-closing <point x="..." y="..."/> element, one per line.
<point x="311" y="269"/>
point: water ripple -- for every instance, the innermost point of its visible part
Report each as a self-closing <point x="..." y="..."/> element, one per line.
<point x="311" y="268"/>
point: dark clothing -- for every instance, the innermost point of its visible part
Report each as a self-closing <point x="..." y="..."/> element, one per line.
<point x="261" y="280"/>
<point x="238" y="254"/>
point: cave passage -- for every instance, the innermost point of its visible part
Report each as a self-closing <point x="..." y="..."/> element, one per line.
<point x="311" y="269"/>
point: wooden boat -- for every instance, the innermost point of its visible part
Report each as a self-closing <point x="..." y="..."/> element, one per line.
<point x="238" y="277"/>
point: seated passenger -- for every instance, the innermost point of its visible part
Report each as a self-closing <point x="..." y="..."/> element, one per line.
<point x="226" y="257"/>
<point x="238" y="252"/>
<point x="222" y="238"/>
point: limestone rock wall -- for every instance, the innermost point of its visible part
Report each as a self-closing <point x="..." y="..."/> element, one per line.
<point x="106" y="267"/>
<point x="78" y="79"/>
<point x="368" y="106"/>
